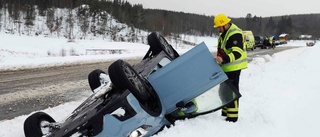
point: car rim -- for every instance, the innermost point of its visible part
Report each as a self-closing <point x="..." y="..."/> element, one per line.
<point x="134" y="79"/>
<point x="166" y="48"/>
<point x="44" y="128"/>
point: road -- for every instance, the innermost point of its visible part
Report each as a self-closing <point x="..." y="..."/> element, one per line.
<point x="25" y="91"/>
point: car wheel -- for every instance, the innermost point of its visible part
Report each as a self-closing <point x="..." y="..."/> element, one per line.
<point x="94" y="79"/>
<point x="123" y="76"/>
<point x="158" y="43"/>
<point x="34" y="124"/>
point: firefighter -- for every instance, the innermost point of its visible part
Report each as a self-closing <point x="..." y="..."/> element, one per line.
<point x="266" y="42"/>
<point x="273" y="42"/>
<point x="232" y="58"/>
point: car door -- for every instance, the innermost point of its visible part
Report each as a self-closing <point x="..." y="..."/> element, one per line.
<point x="186" y="77"/>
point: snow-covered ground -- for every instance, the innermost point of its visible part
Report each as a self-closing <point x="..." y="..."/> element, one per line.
<point x="279" y="92"/>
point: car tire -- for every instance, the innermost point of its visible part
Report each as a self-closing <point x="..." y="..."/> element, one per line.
<point x="94" y="79"/>
<point x="33" y="124"/>
<point x="123" y="76"/>
<point x="158" y="43"/>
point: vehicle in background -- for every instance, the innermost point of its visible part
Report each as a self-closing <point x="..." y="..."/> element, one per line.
<point x="310" y="43"/>
<point x="267" y="43"/>
<point x="264" y="42"/>
<point x="283" y="38"/>
<point x="258" y="41"/>
<point x="249" y="39"/>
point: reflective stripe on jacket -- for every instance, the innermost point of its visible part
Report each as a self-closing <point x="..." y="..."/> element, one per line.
<point x="234" y="64"/>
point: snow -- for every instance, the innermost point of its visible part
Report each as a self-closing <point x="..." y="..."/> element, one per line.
<point x="279" y="92"/>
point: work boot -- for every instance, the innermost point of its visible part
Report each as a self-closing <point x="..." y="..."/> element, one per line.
<point x="231" y="119"/>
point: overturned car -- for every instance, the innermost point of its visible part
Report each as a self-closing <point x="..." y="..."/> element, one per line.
<point x="141" y="99"/>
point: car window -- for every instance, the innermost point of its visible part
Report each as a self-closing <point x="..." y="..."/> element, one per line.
<point x="216" y="97"/>
<point x="247" y="38"/>
<point x="212" y="100"/>
<point x="163" y="62"/>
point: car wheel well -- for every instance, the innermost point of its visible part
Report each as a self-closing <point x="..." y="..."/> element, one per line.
<point x="32" y="125"/>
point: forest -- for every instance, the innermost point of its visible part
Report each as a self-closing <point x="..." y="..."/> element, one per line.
<point x="90" y="17"/>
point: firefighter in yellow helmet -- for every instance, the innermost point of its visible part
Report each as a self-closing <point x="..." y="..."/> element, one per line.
<point x="232" y="58"/>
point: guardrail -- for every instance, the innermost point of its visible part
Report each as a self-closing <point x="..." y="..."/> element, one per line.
<point x="105" y="51"/>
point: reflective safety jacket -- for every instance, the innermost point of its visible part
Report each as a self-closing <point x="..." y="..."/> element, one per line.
<point x="234" y="64"/>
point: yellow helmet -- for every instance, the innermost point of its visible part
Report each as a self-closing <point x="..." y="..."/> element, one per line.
<point x="221" y="20"/>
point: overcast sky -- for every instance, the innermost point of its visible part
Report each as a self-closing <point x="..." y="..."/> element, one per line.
<point x="235" y="8"/>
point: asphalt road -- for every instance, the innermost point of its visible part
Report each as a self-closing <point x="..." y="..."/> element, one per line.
<point x="25" y="91"/>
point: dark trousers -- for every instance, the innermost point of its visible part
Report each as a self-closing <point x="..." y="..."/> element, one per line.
<point x="231" y="110"/>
